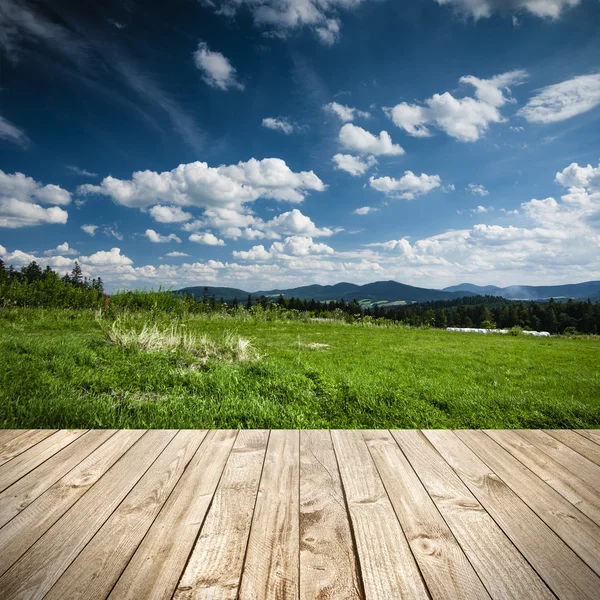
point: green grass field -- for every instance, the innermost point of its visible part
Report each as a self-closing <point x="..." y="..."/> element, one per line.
<point x="59" y="369"/>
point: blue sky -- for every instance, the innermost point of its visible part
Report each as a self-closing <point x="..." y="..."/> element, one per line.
<point x="275" y="143"/>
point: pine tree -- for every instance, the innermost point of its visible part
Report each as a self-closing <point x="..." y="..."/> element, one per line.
<point x="76" y="274"/>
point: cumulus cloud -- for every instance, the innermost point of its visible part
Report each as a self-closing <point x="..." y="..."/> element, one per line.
<point x="359" y="140"/>
<point x="206" y="238"/>
<point x="479" y="9"/>
<point x="176" y="254"/>
<point x="293" y="246"/>
<point x="345" y="113"/>
<point x="156" y="238"/>
<point x="90" y="229"/>
<point x="20" y="199"/>
<point x="580" y="177"/>
<point x="9" y="131"/>
<point x="563" y="100"/>
<point x="169" y="214"/>
<point x="364" y="210"/>
<point x="278" y="124"/>
<point x="355" y="165"/>
<point x="407" y="187"/>
<point x="216" y="69"/>
<point x="197" y="184"/>
<point x="477" y="190"/>
<point x="111" y="258"/>
<point x="294" y="223"/>
<point x="281" y="17"/>
<point x="61" y="249"/>
<point x="465" y="119"/>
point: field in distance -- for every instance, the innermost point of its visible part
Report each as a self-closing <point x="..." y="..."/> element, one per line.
<point x="67" y="369"/>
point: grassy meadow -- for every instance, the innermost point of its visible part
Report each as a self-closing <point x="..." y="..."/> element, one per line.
<point x="63" y="368"/>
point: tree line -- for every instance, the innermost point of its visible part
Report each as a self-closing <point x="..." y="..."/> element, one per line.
<point x="32" y="286"/>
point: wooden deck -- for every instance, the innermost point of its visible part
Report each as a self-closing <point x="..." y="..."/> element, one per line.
<point x="299" y="514"/>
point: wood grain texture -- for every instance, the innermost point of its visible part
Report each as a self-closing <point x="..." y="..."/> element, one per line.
<point x="214" y="569"/>
<point x="272" y="560"/>
<point x="159" y="561"/>
<point x="477" y="533"/>
<point x="445" y="568"/>
<point x="19" y="534"/>
<point x="96" y="569"/>
<point x="15" y="445"/>
<point x="590" y="434"/>
<point x="577" y="464"/>
<point x="27" y="461"/>
<point x="22" y="493"/>
<point x="572" y="526"/>
<point x="328" y="564"/>
<point x="32" y="576"/>
<point x="575" y="490"/>
<point x="562" y="570"/>
<point x="577" y="442"/>
<point x="8" y="434"/>
<point x="387" y="565"/>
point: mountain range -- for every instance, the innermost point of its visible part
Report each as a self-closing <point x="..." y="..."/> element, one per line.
<point x="393" y="292"/>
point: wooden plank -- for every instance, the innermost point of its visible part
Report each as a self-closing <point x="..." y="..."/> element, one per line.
<point x="577" y="530"/>
<point x="578" y="465"/>
<point x="577" y="442"/>
<point x="328" y="563"/>
<point x="562" y="570"/>
<point x="18" y="444"/>
<point x="8" y="434"/>
<point x="27" y="461"/>
<point x="22" y="493"/>
<point x="478" y="534"/>
<point x="159" y="561"/>
<point x="387" y="565"/>
<point x="28" y="526"/>
<point x="96" y="569"/>
<point x="445" y="568"/>
<point x="214" y="569"/>
<point x="272" y="560"/>
<point x="32" y="576"/>
<point x="575" y="490"/>
<point x="590" y="434"/>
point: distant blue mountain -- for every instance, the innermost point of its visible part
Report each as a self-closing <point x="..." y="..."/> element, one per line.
<point x="588" y="289"/>
<point x="392" y="291"/>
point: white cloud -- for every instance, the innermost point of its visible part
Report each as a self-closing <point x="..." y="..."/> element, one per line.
<point x="61" y="249"/>
<point x="169" y="214"/>
<point x="278" y="124"/>
<point x="9" y="131"/>
<point x="90" y="229"/>
<point x="355" y="165"/>
<point x="479" y="9"/>
<point x="580" y="177"/>
<point x="282" y="17"/>
<point x="345" y="113"/>
<point x="112" y="232"/>
<point x="294" y="223"/>
<point x="364" y="210"/>
<point x="206" y="238"/>
<point x="359" y="140"/>
<point x="106" y="259"/>
<point x="26" y="189"/>
<point x="15" y="214"/>
<point x="176" y="254"/>
<point x="477" y="190"/>
<point x="563" y="100"/>
<point x="156" y="238"/>
<point x="216" y="68"/>
<point x="81" y="172"/>
<point x="293" y="246"/>
<point x="481" y="209"/>
<point x="197" y="184"/>
<point x="465" y="119"/>
<point x="407" y="187"/>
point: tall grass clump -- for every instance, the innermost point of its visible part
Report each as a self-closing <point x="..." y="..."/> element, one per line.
<point x="153" y="337"/>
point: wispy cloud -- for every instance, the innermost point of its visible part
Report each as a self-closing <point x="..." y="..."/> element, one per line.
<point x="10" y="132"/>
